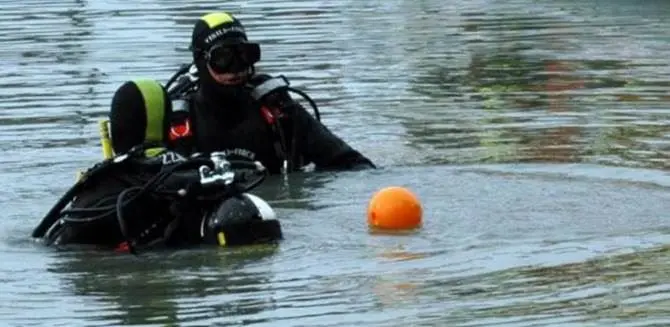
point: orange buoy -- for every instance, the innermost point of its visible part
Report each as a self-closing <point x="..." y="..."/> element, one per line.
<point x="394" y="208"/>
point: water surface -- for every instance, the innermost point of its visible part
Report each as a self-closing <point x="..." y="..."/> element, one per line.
<point x="535" y="133"/>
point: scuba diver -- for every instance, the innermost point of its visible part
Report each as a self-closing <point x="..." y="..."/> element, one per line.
<point x="147" y="195"/>
<point x="225" y="106"/>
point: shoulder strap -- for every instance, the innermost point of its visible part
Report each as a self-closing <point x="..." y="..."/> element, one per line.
<point x="180" y="135"/>
<point x="273" y="95"/>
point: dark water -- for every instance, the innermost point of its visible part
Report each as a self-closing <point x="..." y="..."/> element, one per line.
<point x="536" y="133"/>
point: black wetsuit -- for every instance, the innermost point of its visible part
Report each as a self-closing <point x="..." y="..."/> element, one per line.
<point x="236" y="125"/>
<point x="147" y="219"/>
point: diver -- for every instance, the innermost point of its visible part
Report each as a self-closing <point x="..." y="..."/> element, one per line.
<point x="227" y="107"/>
<point x="147" y="195"/>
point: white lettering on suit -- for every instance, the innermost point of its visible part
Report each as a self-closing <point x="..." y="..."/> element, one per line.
<point x="218" y="33"/>
<point x="240" y="152"/>
<point x="169" y="158"/>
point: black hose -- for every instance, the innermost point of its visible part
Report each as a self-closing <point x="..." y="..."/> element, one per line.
<point x="52" y="216"/>
<point x="121" y="205"/>
<point x="94" y="209"/>
<point x="311" y="102"/>
<point x="294" y="141"/>
<point x="102" y="212"/>
<point x="131" y="194"/>
<point x="182" y="70"/>
<point x="182" y="81"/>
<point x="54" y="213"/>
<point x="157" y="179"/>
<point x="296" y="130"/>
<point x="123" y="227"/>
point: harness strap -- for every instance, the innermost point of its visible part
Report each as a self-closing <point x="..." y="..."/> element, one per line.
<point x="182" y="138"/>
<point x="280" y="145"/>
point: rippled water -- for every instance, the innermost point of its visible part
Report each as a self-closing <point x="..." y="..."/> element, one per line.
<point x="536" y="134"/>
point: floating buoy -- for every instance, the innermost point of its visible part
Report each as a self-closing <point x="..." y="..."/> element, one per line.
<point x="394" y="208"/>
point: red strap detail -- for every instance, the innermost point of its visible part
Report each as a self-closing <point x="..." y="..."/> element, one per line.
<point x="181" y="130"/>
<point x="267" y="114"/>
<point x="122" y="247"/>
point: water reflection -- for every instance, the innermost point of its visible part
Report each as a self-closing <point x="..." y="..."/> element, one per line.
<point x="620" y="288"/>
<point x="72" y="50"/>
<point x="516" y="101"/>
<point x="296" y="191"/>
<point x="28" y="96"/>
<point x="167" y="289"/>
